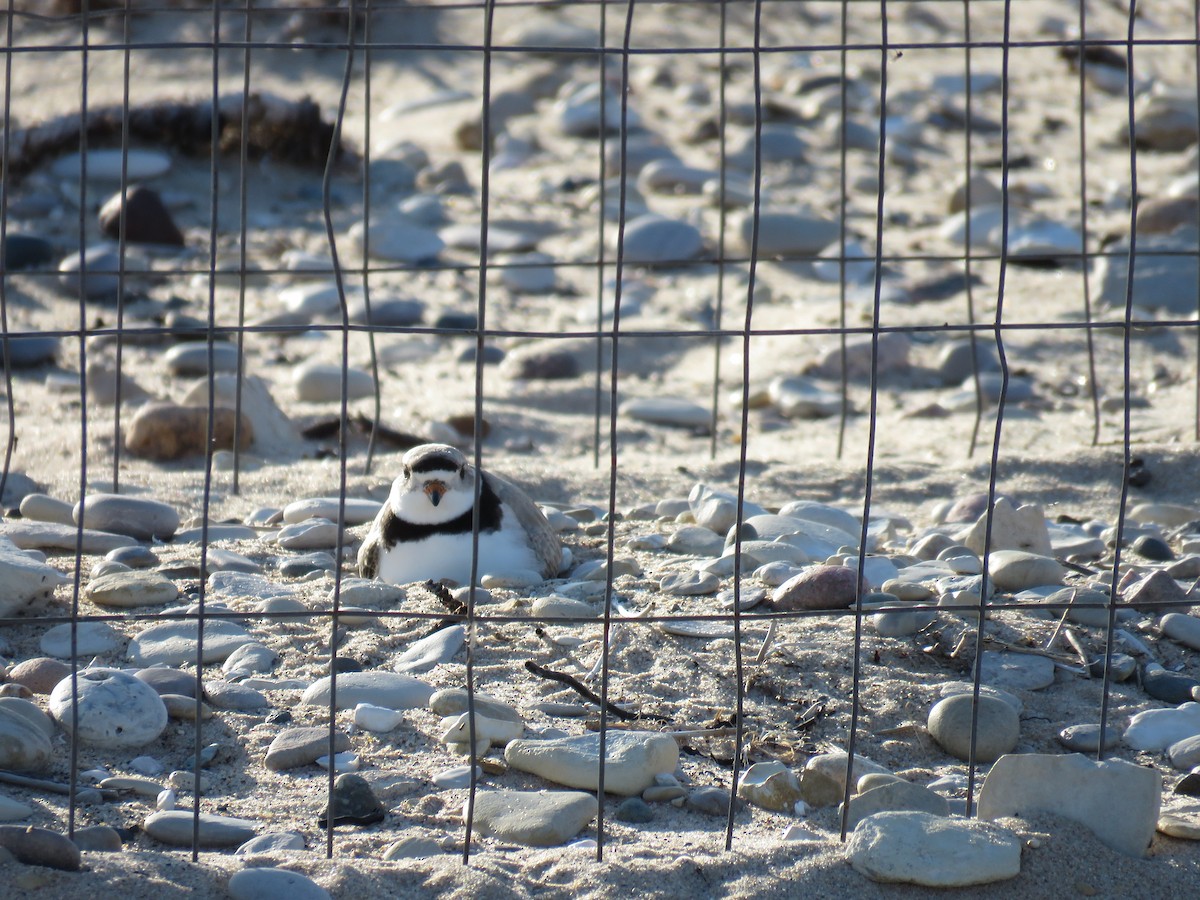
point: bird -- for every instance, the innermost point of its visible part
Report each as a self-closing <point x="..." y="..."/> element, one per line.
<point x="423" y="532"/>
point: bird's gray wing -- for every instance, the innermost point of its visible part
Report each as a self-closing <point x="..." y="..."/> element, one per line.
<point x="542" y="538"/>
<point x="368" y="553"/>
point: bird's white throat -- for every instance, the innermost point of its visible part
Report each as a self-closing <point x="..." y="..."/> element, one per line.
<point x="410" y="502"/>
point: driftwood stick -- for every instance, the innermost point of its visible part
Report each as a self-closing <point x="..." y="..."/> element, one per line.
<point x="50" y="787"/>
<point x="583" y="691"/>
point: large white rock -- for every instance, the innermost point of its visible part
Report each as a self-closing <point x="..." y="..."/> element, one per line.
<point x="26" y="580"/>
<point x="1115" y="799"/>
<point x="932" y="851"/>
<point x="1019" y="570"/>
<point x="1157" y="729"/>
<point x="386" y="689"/>
<point x="175" y="643"/>
<point x="632" y="759"/>
<point x="432" y="650"/>
<point x="115" y="710"/>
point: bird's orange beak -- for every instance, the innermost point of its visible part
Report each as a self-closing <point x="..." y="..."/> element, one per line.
<point x="435" y="491"/>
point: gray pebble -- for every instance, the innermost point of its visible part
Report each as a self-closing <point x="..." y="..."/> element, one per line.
<point x="271" y="842"/>
<point x="1086" y="738"/>
<point x="656" y="240"/>
<point x="191" y="359"/>
<point x="215" y="833"/>
<point x="136" y="557"/>
<point x="634" y="810"/>
<point x="710" y="801"/>
<point x="274" y="884"/>
<point x="39" y="847"/>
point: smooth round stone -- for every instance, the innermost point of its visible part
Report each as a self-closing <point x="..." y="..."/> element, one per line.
<point x="696" y="540"/>
<point x="112" y="165"/>
<point x="818" y="587"/>
<point x="1169" y="687"/>
<point x="452" y="320"/>
<point x="13" y="810"/>
<point x="455" y="777"/>
<point x="1086" y="738"/>
<point x="25" y="352"/>
<point x="432" y="650"/>
<point x="185" y="709"/>
<point x="802" y="398"/>
<point x="533" y="818"/>
<point x="229" y="695"/>
<point x="98" y="839"/>
<point x="136" y="557"/>
<point x="353" y="802"/>
<point x="167" y="431"/>
<point x="124" y="590"/>
<point x="1157" y="729"/>
<point x="174" y="643"/>
<point x="1154" y="548"/>
<point x="998" y="727"/>
<point x="393" y="313"/>
<point x="1121" y="667"/>
<point x="1017" y="570"/>
<point x="1181" y="627"/>
<point x="306" y="563"/>
<point x="784" y="233"/>
<point x="655" y="240"/>
<point x="541" y="361"/>
<point x="40" y="674"/>
<point x="356" y="512"/>
<point x="216" y="832"/>
<point x="635" y="811"/>
<point x="454" y="702"/>
<point x="633" y="758"/>
<point x="297" y="747"/>
<point x="709" y="801"/>
<point x="271" y="842"/>
<point x="25" y="735"/>
<point x="39" y="847"/>
<point x="388" y="689"/>
<point x="308" y="535"/>
<point x="250" y="659"/>
<point x="529" y="273"/>
<point x="322" y="383"/>
<point x="689" y="584"/>
<point x="96" y="271"/>
<point x="556" y="607"/>
<point x="221" y="560"/>
<point x="115" y="709"/>
<point x="1185" y="828"/>
<point x="1017" y="671"/>
<point x="46" y="509"/>
<point x="370" y="717"/>
<point x="1185" y="754"/>
<point x="27" y="251"/>
<point x="274" y="884"/>
<point x="413" y="847"/>
<point x="166" y="680"/>
<point x="398" y="239"/>
<point x="668" y="411"/>
<point x="902" y="623"/>
<point x="191" y="359"/>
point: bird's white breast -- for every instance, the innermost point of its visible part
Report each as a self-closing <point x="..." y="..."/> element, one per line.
<point x="449" y="555"/>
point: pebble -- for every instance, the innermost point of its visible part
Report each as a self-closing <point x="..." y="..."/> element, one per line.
<point x="541" y="360"/>
<point x="27" y="581"/>
<point x="456" y="730"/>
<point x="174" y="643"/>
<point x="308" y="535"/>
<point x="356" y="512"/>
<point x="998" y="727"/>
<point x="788" y="233"/>
<point x="1181" y="627"/>
<point x="250" y="659"/>
<point x="147" y="219"/>
<point x="1017" y="671"/>
<point x="46" y="509"/>
<point x="113" y="165"/>
<point x="222" y="560"/>
<point x="135" y="556"/>
<point x="823" y="781"/>
<point x="387" y="313"/>
<point x="801" y="398"/>
<point x="228" y="695"/>
<point x="399" y="239"/>
<point x="530" y="273"/>
<point x="454" y="701"/>
<point x="388" y="689"/>
<point x="191" y="359"/>
<point x="695" y="540"/>
<point x="1017" y="570"/>
<point x="770" y="785"/>
<point x="1165" y="276"/>
<point x="432" y="650"/>
<point x="39" y="674"/>
<point x="689" y="584"/>
<point x="1147" y="546"/>
<point x="216" y="832"/>
<point x="533" y="818"/>
<point x="98" y="839"/>
<point x="817" y="587"/>
<point x="709" y="801"/>
<point x="632" y="759"/>
<point x="456" y="777"/>
<point x="902" y="623"/>
<point x="932" y="851"/>
<point x="1185" y="754"/>
<point x="271" y="842"/>
<point x="370" y="717"/>
<point x="13" y="810"/>
<point x="1158" y="589"/>
<point x="322" y="383"/>
<point x="264" y="883"/>
<point x="168" y="431"/>
<point x="165" y="680"/>
<point x="353" y="802"/>
<point x="895" y="795"/>
<point x="1169" y="687"/>
<point x="556" y="607"/>
<point x="668" y="411"/>
<point x="115" y="710"/>
<point x="1178" y="826"/>
<point x="305" y="564"/>
<point x="297" y="747"/>
<point x="1013" y="528"/>
<point x="1086" y="738"/>
<point x="39" y="847"/>
<point x="124" y="590"/>
<point x="25" y="733"/>
<point x="1079" y="789"/>
<point x="656" y="240"/>
<point x="98" y="279"/>
<point x="413" y="847"/>
<point x="27" y="251"/>
<point x="634" y="810"/>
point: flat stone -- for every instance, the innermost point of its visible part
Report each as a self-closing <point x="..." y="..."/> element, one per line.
<point x="29" y="351"/>
<point x="98" y="839"/>
<point x="398" y="239"/>
<point x="27" y="582"/>
<point x="432" y="650"/>
<point x="1165" y="276"/>
<point x="1082" y="790"/>
<point x="710" y="801"/>
<point x="24" y="738"/>
<point x="818" y="587"/>
<point x="271" y="842"/>
<point x="191" y="359"/>
<point x="174" y="643"/>
<point x="356" y="512"/>
<point x="1182" y="628"/>
<point x="801" y="398"/>
<point x="556" y="607"/>
<point x="124" y="590"/>
<point x="311" y="534"/>
<point x="1086" y="738"/>
<point x="169" y="431"/>
<point x="412" y="847"/>
<point x="668" y="411"/>
<point x="388" y="689"/>
<point x="250" y="658"/>
<point x="112" y="165"/>
<point x="533" y="818"/>
<point x="1017" y="671"/>
<point x="689" y="584"/>
<point x="39" y="847"/>
<point x="895" y="796"/>
<point x="788" y="232"/>
<point x="1185" y="754"/>
<point x="263" y="883"/>
<point x="932" y="851"/>
<point x="370" y="717"/>
<point x="1169" y="687"/>
<point x="13" y="810"/>
<point x="1184" y="827"/>
<point x="656" y="240"/>
<point x="230" y="695"/>
<point x="114" y="710"/>
<point x="632" y="760"/>
<point x="1017" y="570"/>
<point x="453" y="701"/>
<point x="997" y="730"/>
<point x="46" y="509"/>
<point x="695" y="540"/>
<point x="322" y="383"/>
<point x="216" y="832"/>
<point x="297" y="747"/>
<point x="94" y="273"/>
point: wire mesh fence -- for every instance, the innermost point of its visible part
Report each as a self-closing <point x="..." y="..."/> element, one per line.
<point x="849" y="347"/>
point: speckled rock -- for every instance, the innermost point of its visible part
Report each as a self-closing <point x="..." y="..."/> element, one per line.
<point x="533" y="818"/>
<point x="115" y="710"/>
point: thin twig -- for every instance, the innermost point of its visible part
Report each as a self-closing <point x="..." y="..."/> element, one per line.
<point x="580" y="688"/>
<point x="50" y="787"/>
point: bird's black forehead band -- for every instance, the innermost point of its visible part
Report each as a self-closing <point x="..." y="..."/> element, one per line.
<point x="435" y="463"/>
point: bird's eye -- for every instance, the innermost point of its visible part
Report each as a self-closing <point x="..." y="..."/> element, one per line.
<point x="407" y="472"/>
<point x="462" y="472"/>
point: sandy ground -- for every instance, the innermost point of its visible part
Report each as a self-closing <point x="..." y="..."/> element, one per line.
<point x="542" y="431"/>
